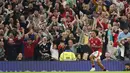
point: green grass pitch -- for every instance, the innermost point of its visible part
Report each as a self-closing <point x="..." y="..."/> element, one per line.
<point x="72" y="72"/>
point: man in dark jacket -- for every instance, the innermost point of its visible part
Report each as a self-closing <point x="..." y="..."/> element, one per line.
<point x="44" y="49"/>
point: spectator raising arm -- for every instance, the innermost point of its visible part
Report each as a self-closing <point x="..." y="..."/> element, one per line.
<point x="6" y="32"/>
<point x="19" y="34"/>
<point x="94" y="23"/>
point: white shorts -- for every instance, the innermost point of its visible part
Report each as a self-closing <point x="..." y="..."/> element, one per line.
<point x="97" y="55"/>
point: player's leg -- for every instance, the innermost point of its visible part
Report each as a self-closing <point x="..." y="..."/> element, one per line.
<point x="91" y="57"/>
<point x="98" y="60"/>
<point x="101" y="65"/>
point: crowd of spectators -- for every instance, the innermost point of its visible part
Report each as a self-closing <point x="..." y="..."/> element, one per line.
<point x="52" y="29"/>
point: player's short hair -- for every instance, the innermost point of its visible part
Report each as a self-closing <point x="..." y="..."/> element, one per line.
<point x="96" y="31"/>
<point x="128" y="64"/>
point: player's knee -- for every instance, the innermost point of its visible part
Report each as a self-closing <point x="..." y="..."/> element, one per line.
<point x="90" y="57"/>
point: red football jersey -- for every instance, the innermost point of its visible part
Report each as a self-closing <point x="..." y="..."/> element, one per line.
<point x="96" y="42"/>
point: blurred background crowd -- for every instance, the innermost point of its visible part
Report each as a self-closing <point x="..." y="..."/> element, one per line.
<point x="50" y="30"/>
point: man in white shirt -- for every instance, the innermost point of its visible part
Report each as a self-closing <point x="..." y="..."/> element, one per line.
<point x="54" y="51"/>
